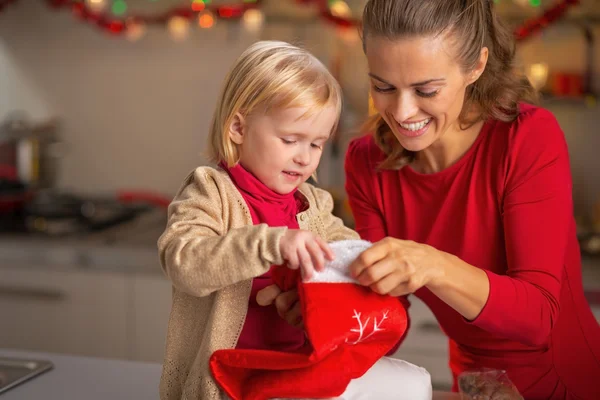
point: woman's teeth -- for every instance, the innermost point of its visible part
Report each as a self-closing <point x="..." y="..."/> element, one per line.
<point x="415" y="126"/>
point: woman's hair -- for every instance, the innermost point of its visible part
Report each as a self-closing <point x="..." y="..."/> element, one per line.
<point x="270" y="75"/>
<point x="470" y="25"/>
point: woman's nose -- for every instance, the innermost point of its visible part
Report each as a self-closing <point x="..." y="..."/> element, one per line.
<point x="405" y="107"/>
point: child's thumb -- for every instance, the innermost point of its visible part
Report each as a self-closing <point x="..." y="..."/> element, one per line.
<point x="267" y="295"/>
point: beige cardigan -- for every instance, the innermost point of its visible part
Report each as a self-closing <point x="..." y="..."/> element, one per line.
<point x="211" y="251"/>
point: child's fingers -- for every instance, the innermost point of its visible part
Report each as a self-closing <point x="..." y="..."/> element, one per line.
<point x="267" y="296"/>
<point x="329" y="254"/>
<point x="292" y="259"/>
<point x="317" y="255"/>
<point x="306" y="264"/>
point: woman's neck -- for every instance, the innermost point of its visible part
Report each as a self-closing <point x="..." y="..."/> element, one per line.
<point x="447" y="150"/>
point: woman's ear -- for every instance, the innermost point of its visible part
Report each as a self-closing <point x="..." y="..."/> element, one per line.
<point x="480" y="67"/>
<point x="237" y="129"/>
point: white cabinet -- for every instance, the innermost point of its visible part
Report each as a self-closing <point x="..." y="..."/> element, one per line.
<point x="66" y="311"/>
<point x="151" y="296"/>
<point x="84" y="311"/>
<point x="426" y="345"/>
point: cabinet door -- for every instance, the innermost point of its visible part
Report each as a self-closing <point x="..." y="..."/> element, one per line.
<point x="65" y="311"/>
<point x="152" y="306"/>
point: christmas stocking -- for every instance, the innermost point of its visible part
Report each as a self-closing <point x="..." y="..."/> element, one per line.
<point x="349" y="328"/>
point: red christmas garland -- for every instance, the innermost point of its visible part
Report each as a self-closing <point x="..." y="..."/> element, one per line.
<point x="119" y="26"/>
<point x="529" y="27"/>
<point x="4" y="3"/>
<point x="534" y="25"/>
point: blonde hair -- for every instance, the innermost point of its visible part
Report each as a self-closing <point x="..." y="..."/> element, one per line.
<point x="270" y="75"/>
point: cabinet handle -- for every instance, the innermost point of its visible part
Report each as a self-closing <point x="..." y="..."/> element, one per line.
<point x="14" y="292"/>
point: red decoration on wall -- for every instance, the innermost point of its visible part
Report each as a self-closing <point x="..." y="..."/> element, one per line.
<point x="523" y="32"/>
<point x="119" y="26"/>
<point x="4" y="3"/>
<point x="534" y="25"/>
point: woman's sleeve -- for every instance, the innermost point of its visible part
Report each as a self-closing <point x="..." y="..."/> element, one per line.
<point x="197" y="251"/>
<point x="360" y="188"/>
<point x="537" y="215"/>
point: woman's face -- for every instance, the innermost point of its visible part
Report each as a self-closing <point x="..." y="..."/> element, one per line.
<point x="418" y="87"/>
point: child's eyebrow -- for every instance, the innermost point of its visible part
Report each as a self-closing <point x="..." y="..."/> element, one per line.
<point x="300" y="134"/>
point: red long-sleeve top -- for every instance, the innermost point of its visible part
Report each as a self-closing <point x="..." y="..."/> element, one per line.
<point x="504" y="207"/>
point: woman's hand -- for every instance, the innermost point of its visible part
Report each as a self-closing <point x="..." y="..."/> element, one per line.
<point x="305" y="250"/>
<point x="398" y="267"/>
<point x="287" y="303"/>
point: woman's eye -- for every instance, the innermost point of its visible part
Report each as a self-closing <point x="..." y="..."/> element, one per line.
<point x="427" y="94"/>
<point x="383" y="89"/>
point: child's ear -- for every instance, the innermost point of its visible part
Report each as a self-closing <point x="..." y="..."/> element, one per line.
<point x="237" y="129"/>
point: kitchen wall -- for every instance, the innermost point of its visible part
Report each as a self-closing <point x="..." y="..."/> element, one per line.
<point x="135" y="114"/>
<point x="563" y="48"/>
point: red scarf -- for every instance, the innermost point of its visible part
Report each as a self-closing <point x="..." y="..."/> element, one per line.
<point x="264" y="328"/>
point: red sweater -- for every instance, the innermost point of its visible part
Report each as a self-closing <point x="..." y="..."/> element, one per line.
<point x="263" y="328"/>
<point x="505" y="207"/>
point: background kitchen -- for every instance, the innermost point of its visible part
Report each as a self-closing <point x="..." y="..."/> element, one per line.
<point x="101" y="118"/>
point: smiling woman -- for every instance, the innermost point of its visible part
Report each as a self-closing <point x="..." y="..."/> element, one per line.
<point x="465" y="187"/>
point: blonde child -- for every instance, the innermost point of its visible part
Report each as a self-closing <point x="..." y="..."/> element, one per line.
<point x="227" y="226"/>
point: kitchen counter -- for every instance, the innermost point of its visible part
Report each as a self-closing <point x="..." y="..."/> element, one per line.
<point x="98" y="379"/>
<point x="86" y="378"/>
<point x="128" y="248"/>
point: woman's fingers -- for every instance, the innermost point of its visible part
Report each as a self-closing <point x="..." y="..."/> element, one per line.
<point x="377" y="271"/>
<point x="367" y="258"/>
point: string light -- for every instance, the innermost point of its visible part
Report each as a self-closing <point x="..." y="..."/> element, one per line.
<point x="253" y="20"/>
<point x="135" y="30"/>
<point x="198" y="5"/>
<point x="340" y="9"/>
<point x="538" y="75"/>
<point x="96" y="5"/>
<point x="179" y="27"/>
<point x="206" y="20"/>
<point x="119" y="7"/>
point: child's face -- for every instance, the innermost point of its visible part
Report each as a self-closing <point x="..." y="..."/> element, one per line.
<point x="283" y="148"/>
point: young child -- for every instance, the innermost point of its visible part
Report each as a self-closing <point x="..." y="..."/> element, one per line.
<point x="228" y="226"/>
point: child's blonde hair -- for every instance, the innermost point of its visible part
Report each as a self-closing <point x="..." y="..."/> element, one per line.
<point x="270" y="75"/>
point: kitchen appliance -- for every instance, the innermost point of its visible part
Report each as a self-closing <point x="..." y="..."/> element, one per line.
<point x="55" y="213"/>
<point x="14" y="371"/>
<point x="29" y="152"/>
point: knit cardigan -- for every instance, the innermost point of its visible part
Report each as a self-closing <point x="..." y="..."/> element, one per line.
<point x="210" y="250"/>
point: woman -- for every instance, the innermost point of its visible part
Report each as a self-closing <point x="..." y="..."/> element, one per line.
<point x="466" y="188"/>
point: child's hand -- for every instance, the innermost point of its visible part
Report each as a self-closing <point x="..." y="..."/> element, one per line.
<point x="304" y="250"/>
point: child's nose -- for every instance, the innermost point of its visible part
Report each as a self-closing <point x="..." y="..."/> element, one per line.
<point x="302" y="157"/>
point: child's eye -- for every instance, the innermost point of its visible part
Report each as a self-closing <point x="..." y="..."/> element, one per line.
<point x="287" y="141"/>
<point x="316" y="146"/>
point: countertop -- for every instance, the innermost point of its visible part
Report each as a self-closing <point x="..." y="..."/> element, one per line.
<point x="98" y="379"/>
<point x="127" y="248"/>
<point x="86" y="378"/>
